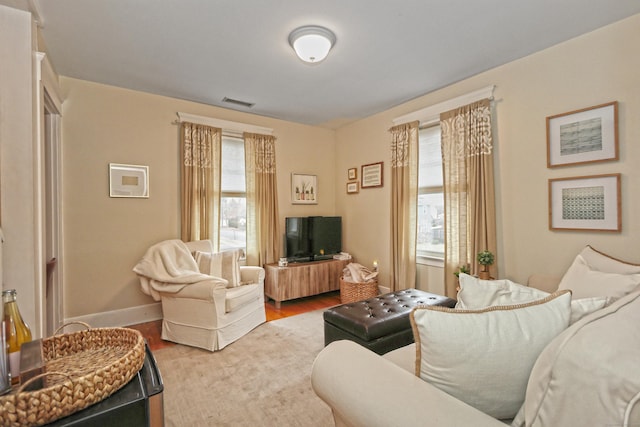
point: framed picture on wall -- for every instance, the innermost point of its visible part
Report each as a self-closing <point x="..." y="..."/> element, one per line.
<point x="583" y="136"/>
<point x="352" y="187"/>
<point x="585" y="203"/>
<point x="352" y="174"/>
<point x="304" y="189"/>
<point x="372" y="175"/>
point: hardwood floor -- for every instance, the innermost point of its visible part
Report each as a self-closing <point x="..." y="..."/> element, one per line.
<point x="151" y="330"/>
<point x="301" y="305"/>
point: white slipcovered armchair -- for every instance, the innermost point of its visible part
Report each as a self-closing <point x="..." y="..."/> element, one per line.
<point x="208" y="299"/>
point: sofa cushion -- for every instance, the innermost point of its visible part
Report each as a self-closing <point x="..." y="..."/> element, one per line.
<point x="602" y="262"/>
<point x="588" y="375"/>
<point x="586" y="281"/>
<point x="477" y="293"/>
<point x="225" y="264"/>
<point x="239" y="296"/>
<point x="404" y="357"/>
<point x="484" y="357"/>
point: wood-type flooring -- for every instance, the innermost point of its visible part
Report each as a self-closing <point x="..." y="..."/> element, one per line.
<point x="152" y="330"/>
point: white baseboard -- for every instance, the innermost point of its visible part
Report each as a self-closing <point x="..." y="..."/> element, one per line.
<point x="124" y="317"/>
<point x="383" y="290"/>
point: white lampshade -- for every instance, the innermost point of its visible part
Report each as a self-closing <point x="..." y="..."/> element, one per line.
<point x="312" y="43"/>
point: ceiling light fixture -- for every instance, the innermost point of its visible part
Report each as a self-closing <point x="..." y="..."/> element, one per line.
<point x="312" y="43"/>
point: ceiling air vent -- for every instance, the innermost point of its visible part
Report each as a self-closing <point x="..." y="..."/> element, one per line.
<point x="238" y="102"/>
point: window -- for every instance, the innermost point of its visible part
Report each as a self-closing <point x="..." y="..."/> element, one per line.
<point x="233" y="198"/>
<point x="430" y="239"/>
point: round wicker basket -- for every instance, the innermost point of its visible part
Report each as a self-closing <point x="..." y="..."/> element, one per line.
<point x="82" y="368"/>
<point x="357" y="291"/>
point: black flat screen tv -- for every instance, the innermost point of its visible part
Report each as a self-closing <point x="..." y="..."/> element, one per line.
<point x="297" y="238"/>
<point x="312" y="238"/>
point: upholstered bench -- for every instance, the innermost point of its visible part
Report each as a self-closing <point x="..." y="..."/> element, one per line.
<point x="381" y="323"/>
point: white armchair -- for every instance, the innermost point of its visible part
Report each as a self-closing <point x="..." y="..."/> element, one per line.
<point x="199" y="309"/>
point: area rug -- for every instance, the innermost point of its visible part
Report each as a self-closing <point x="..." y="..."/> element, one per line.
<point x="263" y="379"/>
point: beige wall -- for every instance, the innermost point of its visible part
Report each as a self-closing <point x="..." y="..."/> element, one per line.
<point x="598" y="67"/>
<point x="105" y="237"/>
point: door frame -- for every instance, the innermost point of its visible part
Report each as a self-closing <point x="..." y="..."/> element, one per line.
<point x="49" y="196"/>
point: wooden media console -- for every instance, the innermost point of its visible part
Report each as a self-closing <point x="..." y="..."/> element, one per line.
<point x="302" y="279"/>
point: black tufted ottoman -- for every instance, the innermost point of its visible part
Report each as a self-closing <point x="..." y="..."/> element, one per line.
<point x="381" y="323"/>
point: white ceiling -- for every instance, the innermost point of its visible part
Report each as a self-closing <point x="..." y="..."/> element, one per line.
<point x="387" y="52"/>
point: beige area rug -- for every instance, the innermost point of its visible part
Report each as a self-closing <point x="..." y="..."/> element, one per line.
<point x="263" y="379"/>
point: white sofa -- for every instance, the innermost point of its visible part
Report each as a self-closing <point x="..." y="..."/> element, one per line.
<point x="200" y="309"/>
<point x="588" y="375"/>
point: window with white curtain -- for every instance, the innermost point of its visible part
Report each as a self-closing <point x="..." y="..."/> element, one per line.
<point x="430" y="238"/>
<point x="233" y="197"/>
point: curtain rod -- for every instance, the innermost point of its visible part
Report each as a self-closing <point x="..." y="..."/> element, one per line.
<point x="229" y="127"/>
<point x="432" y="112"/>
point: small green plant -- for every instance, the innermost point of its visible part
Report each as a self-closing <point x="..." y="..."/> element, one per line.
<point x="485" y="258"/>
<point x="463" y="269"/>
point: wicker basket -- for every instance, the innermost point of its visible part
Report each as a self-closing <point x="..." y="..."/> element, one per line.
<point x="357" y="291"/>
<point x="82" y="368"/>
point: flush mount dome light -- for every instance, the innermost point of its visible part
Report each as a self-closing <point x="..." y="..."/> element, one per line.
<point x="312" y="43"/>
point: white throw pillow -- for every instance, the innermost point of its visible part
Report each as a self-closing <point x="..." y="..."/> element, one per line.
<point x="602" y="262"/>
<point x="477" y="293"/>
<point x="585" y="281"/>
<point x="484" y="357"/>
<point x="582" y="306"/>
<point x="225" y="264"/>
<point x="588" y="375"/>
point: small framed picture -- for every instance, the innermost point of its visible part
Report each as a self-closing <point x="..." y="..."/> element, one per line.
<point x="352" y="187"/>
<point x="304" y="189"/>
<point x="583" y="136"/>
<point x="128" y="180"/>
<point x="372" y="175"/>
<point x="585" y="203"/>
<point x="352" y="174"/>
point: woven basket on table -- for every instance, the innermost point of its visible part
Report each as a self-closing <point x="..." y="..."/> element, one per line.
<point x="82" y="368"/>
<point x="357" y="291"/>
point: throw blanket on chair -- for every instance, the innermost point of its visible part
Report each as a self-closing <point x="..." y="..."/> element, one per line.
<point x="168" y="266"/>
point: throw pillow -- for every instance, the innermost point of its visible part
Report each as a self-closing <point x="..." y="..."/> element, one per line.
<point x="477" y="293"/>
<point x="582" y="306"/>
<point x="602" y="262"/>
<point x="588" y="374"/>
<point x="225" y="264"/>
<point x="484" y="357"/>
<point x="585" y="281"/>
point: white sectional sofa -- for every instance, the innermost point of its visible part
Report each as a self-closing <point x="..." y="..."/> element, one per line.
<point x="587" y="375"/>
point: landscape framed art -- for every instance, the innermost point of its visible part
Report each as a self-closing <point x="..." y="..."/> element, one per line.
<point x="352" y="187"/>
<point x="585" y="203"/>
<point x="372" y="175"/>
<point x="583" y="136"/>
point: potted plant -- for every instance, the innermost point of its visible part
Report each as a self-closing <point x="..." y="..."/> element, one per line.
<point x="462" y="269"/>
<point x="485" y="259"/>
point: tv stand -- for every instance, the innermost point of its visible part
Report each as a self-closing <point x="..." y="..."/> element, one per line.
<point x="302" y="279"/>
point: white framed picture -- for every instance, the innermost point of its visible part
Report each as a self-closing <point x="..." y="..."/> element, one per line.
<point x="128" y="180"/>
<point x="583" y="136"/>
<point x="304" y="189"/>
<point x="585" y="203"/>
<point x="352" y="187"/>
<point x="372" y="175"/>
